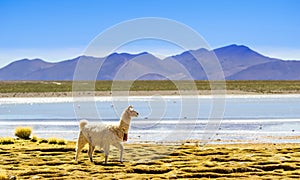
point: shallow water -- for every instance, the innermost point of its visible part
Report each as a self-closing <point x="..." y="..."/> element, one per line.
<point x="259" y="118"/>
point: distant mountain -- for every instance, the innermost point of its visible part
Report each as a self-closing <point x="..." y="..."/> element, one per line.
<point x="278" y="70"/>
<point x="236" y="58"/>
<point x="232" y="58"/>
<point x="237" y="61"/>
<point x="191" y="64"/>
<point x="22" y="69"/>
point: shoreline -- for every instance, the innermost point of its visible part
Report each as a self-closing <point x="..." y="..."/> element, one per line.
<point x="87" y="97"/>
<point x="139" y="93"/>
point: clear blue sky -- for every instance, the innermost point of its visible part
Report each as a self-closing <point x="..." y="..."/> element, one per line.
<point x="62" y="29"/>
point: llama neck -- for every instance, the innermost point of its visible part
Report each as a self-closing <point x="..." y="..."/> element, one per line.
<point x="124" y="125"/>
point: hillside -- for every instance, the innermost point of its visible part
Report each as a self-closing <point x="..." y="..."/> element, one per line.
<point x="237" y="61"/>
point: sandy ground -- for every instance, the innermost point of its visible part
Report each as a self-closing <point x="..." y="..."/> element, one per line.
<point x="37" y="160"/>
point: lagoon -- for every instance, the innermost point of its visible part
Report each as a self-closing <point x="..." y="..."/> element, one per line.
<point x="228" y="119"/>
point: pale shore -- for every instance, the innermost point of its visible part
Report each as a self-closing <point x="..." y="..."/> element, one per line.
<point x="137" y="93"/>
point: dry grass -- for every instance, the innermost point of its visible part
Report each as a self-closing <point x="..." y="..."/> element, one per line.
<point x="56" y="141"/>
<point x="52" y="141"/>
<point x="66" y="86"/>
<point x="34" y="138"/>
<point x="23" y="132"/>
<point x="27" y="160"/>
<point x="7" y="140"/>
<point x="3" y="175"/>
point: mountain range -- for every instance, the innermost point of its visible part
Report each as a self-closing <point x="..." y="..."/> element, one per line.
<point x="238" y="62"/>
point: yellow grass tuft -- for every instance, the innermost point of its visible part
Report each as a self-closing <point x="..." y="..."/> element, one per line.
<point x="61" y="142"/>
<point x="43" y="141"/>
<point x="23" y="132"/>
<point x="3" y="176"/>
<point x="52" y="141"/>
<point x="7" y="140"/>
<point x="34" y="138"/>
<point x="56" y="141"/>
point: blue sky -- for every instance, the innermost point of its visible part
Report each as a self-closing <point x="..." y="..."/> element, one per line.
<point x="62" y="29"/>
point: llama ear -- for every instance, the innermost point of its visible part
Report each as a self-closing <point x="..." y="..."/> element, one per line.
<point x="130" y="108"/>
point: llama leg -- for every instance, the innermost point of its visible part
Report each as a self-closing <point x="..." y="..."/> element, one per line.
<point x="121" y="148"/>
<point x="106" y="152"/>
<point x="91" y="150"/>
<point x="80" y="144"/>
<point x="106" y="157"/>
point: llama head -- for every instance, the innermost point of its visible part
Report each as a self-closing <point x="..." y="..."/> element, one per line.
<point x="128" y="114"/>
<point x="131" y="112"/>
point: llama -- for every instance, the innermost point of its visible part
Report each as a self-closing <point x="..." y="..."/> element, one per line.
<point x="104" y="135"/>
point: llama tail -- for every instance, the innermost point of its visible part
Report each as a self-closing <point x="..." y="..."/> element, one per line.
<point x="82" y="123"/>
